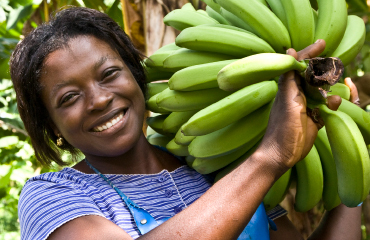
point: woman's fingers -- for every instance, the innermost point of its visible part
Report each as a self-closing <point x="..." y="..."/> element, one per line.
<point x="312" y="51"/>
<point x="354" y="93"/>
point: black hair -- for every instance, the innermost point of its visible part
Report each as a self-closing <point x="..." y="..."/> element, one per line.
<point x="27" y="61"/>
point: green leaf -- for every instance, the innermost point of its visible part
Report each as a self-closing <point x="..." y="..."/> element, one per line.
<point x="17" y="14"/>
<point x="4" y="69"/>
<point x="8" y="141"/>
<point x="4" y="181"/>
<point x="116" y="13"/>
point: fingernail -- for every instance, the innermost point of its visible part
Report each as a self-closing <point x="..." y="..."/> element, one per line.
<point x="318" y="40"/>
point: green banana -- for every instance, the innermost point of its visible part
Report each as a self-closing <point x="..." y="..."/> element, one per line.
<point x="256" y="68"/>
<point x="234" y="20"/>
<point x="277" y="8"/>
<point x="155" y="88"/>
<point x="278" y="191"/>
<point x="189" y="160"/>
<point x="217" y="16"/>
<point x="310" y="182"/>
<point x="210" y="165"/>
<point x="181" y="139"/>
<point x="152" y="106"/>
<point x="232" y="137"/>
<point x="181" y="19"/>
<point x="350" y="154"/>
<point x="156" y="123"/>
<point x="352" y="41"/>
<point x="264" y="22"/>
<point x="176" y="101"/>
<point x="359" y="116"/>
<point x="176" y="149"/>
<point x="183" y="58"/>
<point x="330" y="195"/>
<point x="155" y="74"/>
<point x="236" y="163"/>
<point x="235" y="107"/>
<point x="201" y="11"/>
<point x="158" y="139"/>
<point x="331" y="24"/>
<point x="188" y="7"/>
<point x="220" y="40"/>
<point x="341" y="90"/>
<point x="175" y="120"/>
<point x="212" y="4"/>
<point x="301" y="23"/>
<point x="157" y="58"/>
<point x="202" y="76"/>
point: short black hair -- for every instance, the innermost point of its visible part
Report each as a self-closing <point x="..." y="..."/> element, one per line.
<point x="28" y="58"/>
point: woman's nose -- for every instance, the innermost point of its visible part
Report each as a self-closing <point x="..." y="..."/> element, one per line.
<point x="99" y="98"/>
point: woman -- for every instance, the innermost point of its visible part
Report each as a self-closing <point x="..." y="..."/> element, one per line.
<point x="80" y="87"/>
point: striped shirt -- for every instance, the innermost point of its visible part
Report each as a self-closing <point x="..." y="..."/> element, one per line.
<point x="51" y="199"/>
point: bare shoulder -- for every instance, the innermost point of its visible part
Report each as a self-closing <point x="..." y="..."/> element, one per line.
<point x="89" y="227"/>
<point x="285" y="230"/>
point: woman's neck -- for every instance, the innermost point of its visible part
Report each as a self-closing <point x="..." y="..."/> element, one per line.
<point x="143" y="158"/>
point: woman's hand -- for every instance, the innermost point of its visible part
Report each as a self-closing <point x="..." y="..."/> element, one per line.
<point x="291" y="133"/>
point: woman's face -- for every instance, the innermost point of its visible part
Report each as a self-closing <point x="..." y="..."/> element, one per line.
<point x="92" y="98"/>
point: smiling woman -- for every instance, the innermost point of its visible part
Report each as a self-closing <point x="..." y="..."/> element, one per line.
<point x="80" y="87"/>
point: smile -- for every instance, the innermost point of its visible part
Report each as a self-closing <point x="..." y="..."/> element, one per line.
<point x="109" y="123"/>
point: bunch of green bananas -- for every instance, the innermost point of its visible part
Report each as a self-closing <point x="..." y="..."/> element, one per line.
<point x="217" y="84"/>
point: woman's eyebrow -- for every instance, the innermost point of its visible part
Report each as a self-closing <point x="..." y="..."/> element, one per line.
<point x="59" y="86"/>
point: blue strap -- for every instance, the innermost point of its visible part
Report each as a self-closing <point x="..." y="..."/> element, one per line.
<point x="144" y="221"/>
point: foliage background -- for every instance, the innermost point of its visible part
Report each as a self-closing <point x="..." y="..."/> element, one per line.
<point x="18" y="17"/>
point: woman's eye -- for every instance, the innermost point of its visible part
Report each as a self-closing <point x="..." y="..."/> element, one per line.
<point x="110" y="73"/>
<point x="67" y="98"/>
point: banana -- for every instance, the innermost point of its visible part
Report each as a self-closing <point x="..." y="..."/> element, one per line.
<point x="341" y="90"/>
<point x="155" y="88"/>
<point x="202" y="76"/>
<point x="220" y="40"/>
<point x="188" y="7"/>
<point x="156" y="124"/>
<point x="235" y="107"/>
<point x="155" y="74"/>
<point x="181" y="139"/>
<point x="236" y="163"/>
<point x="262" y="20"/>
<point x="158" y="139"/>
<point x="152" y="106"/>
<point x="229" y="27"/>
<point x="310" y="181"/>
<point x="217" y="16"/>
<point x="352" y="41"/>
<point x="181" y="19"/>
<point x="212" y="4"/>
<point x="210" y="165"/>
<point x="175" y="120"/>
<point x="232" y="137"/>
<point x="331" y="24"/>
<point x="157" y="58"/>
<point x="256" y="68"/>
<point x="234" y="20"/>
<point x="178" y="150"/>
<point x="176" y="101"/>
<point x="330" y="195"/>
<point x="359" y="116"/>
<point x="350" y="154"/>
<point x="301" y="23"/>
<point x="201" y="11"/>
<point x="183" y="58"/>
<point x="278" y="191"/>
<point x="277" y="8"/>
<point x="189" y="160"/>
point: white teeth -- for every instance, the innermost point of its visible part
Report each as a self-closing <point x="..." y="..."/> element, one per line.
<point x="108" y="124"/>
